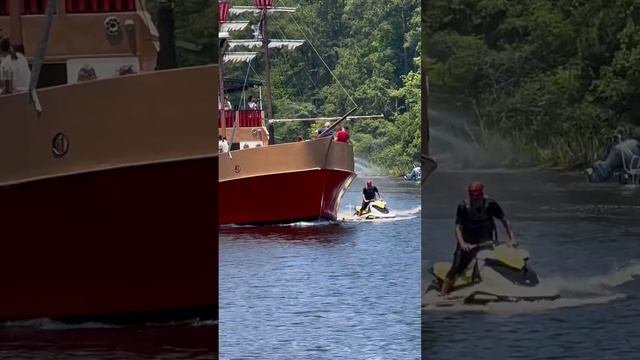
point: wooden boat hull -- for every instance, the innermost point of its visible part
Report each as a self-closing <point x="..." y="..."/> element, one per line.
<point x="284" y="183"/>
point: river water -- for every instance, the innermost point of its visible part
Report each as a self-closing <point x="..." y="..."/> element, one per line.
<point x="342" y="290"/>
<point x="46" y="339"/>
<point x="583" y="238"/>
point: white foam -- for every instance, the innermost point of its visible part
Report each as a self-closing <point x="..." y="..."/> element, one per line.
<point x="527" y="307"/>
<point x="599" y="284"/>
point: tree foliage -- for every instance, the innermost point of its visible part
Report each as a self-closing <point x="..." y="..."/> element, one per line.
<point x="556" y="78"/>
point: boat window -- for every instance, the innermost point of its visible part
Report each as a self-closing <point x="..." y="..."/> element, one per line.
<point x="52" y="75"/>
<point x="99" y="6"/>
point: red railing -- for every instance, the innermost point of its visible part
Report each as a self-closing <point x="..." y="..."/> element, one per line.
<point x="250" y="118"/>
<point x="246" y="118"/>
<point x="97" y="6"/>
<point x="35" y="7"/>
<point x="27" y="7"/>
<point x="223" y="11"/>
<point x="263" y="4"/>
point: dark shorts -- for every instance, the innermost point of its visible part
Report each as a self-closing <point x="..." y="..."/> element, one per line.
<point x="461" y="259"/>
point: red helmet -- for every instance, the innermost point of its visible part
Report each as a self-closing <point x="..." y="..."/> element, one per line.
<point x="369" y="183"/>
<point x="476" y="190"/>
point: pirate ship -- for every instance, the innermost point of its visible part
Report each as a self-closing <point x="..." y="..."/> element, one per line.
<point x="260" y="181"/>
<point x="108" y="203"/>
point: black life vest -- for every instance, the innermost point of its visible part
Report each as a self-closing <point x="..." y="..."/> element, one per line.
<point x="478" y="224"/>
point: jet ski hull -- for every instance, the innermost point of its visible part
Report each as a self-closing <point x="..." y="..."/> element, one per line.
<point x="499" y="275"/>
<point x="480" y="295"/>
<point x="374" y="212"/>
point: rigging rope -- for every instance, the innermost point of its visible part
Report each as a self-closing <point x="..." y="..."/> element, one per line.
<point x="321" y="59"/>
<point x="244" y="86"/>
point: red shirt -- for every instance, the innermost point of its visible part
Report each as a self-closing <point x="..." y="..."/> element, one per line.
<point x="342" y="136"/>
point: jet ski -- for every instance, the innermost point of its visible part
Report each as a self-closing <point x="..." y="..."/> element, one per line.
<point x="499" y="273"/>
<point x="377" y="210"/>
<point x="414" y="175"/>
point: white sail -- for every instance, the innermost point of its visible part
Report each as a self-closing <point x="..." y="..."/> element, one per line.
<point x="229" y="26"/>
<point x="290" y="44"/>
<point x="238" y="57"/>
<point x="237" y="10"/>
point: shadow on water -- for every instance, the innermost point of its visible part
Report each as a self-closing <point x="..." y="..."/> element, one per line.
<point x="316" y="232"/>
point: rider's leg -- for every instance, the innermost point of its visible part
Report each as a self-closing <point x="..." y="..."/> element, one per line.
<point x="461" y="259"/>
<point x="364" y="206"/>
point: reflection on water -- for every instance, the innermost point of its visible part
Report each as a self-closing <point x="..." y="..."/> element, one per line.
<point x="46" y="339"/>
<point x="341" y="290"/>
<point x="583" y="239"/>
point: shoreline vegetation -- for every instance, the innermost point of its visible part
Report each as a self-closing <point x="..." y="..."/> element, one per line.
<point x="371" y="47"/>
<point x="559" y="81"/>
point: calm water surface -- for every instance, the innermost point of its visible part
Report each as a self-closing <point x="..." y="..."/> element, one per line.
<point x="583" y="238"/>
<point x="345" y="290"/>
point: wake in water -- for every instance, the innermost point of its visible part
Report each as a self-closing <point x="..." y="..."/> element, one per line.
<point x="574" y="292"/>
<point x="299" y="224"/>
<point x="400" y="215"/>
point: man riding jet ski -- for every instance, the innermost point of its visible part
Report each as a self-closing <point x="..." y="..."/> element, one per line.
<point x="373" y="206"/>
<point x="623" y="159"/>
<point x="414" y="175"/>
<point x="499" y="272"/>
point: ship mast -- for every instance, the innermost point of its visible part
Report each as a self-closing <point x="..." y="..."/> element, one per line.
<point x="263" y="8"/>
<point x="267" y="74"/>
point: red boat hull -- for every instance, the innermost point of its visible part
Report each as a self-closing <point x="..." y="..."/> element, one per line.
<point x="121" y="243"/>
<point x="283" y="197"/>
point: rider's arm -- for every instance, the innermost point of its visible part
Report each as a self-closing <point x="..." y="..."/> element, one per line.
<point x="499" y="214"/>
<point x="507" y="228"/>
<point x="458" y="231"/>
<point x="459" y="238"/>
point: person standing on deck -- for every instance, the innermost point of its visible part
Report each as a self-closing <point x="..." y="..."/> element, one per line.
<point x="253" y="104"/>
<point x="343" y="135"/>
<point x="324" y="128"/>
<point x="225" y="145"/>
<point x="14" y="69"/>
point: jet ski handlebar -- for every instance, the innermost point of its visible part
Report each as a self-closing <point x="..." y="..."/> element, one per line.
<point x="488" y="244"/>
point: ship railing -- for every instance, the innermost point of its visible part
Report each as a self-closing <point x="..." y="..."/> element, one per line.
<point x="91" y="6"/>
<point x="37" y="7"/>
<point x="246" y="118"/>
